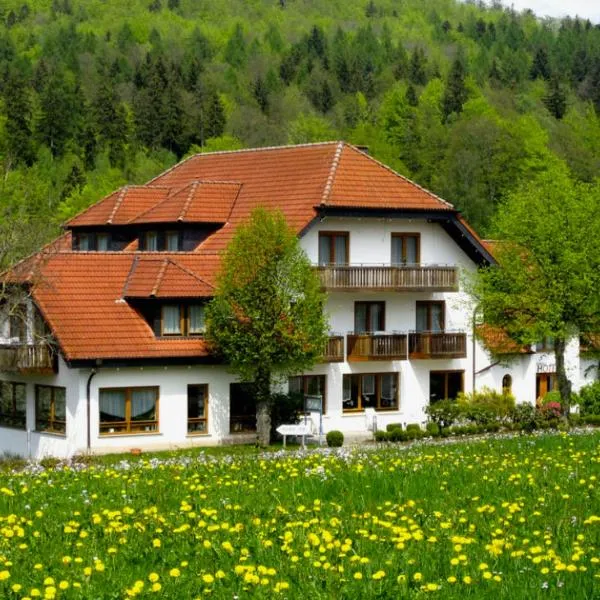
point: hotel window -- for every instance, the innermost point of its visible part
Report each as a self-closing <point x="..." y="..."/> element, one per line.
<point x="50" y="409"/>
<point x="179" y="319"/>
<point x="128" y="410"/>
<point x="151" y="241"/>
<point x="102" y="242"/>
<point x="507" y="384"/>
<point x="445" y="385"/>
<point x="309" y="385"/>
<point x="334" y="248"/>
<point x="430" y="316"/>
<point x="545" y="345"/>
<point x="406" y="248"/>
<point x="370" y="390"/>
<point x="172" y="243"/>
<point x="369" y="316"/>
<point x="197" y="408"/>
<point x="16" y="324"/>
<point x="13" y="405"/>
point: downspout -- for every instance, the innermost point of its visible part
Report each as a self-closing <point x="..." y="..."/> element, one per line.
<point x="88" y="410"/>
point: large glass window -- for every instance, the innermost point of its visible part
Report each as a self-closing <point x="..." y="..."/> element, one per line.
<point x="172" y="241"/>
<point x="196" y="323"/>
<point x="370" y="390"/>
<point x="333" y="248"/>
<point x="242" y="408"/>
<point x="445" y="385"/>
<point x="405" y="248"/>
<point x="50" y="408"/>
<point x="151" y="241"/>
<point x="430" y="316"/>
<point x="309" y="385"/>
<point x="128" y="410"/>
<point x="369" y="316"/>
<point x="13" y="405"/>
<point x="198" y="408"/>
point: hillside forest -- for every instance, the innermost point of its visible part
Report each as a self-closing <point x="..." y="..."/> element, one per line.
<point x="466" y="99"/>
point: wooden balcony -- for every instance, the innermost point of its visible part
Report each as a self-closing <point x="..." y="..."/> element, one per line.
<point x="385" y="278"/>
<point x="377" y="346"/>
<point x="428" y="344"/>
<point x="27" y="358"/>
<point x="334" y="350"/>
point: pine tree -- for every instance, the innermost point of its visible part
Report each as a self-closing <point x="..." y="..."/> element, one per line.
<point x="18" y="118"/>
<point x="456" y="93"/>
<point x="541" y="65"/>
<point x="556" y="99"/>
<point x="417" y="68"/>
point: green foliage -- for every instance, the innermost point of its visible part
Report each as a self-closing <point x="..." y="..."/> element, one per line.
<point x="335" y="439"/>
<point x="496" y="405"/>
<point x="444" y="413"/>
<point x="393" y="426"/>
<point x="549" y="265"/>
<point x="454" y="95"/>
<point x="266" y="318"/>
<point x="432" y="429"/>
<point x="588" y="399"/>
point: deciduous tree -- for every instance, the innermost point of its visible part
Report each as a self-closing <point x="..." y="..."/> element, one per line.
<point x="548" y="274"/>
<point x="266" y="318"/>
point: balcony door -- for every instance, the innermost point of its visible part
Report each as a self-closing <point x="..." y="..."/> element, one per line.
<point x="405" y="249"/>
<point x="430" y="316"/>
<point x="369" y="317"/>
<point x="334" y="248"/>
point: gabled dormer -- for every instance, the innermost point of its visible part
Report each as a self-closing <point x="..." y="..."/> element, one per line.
<point x="155" y="218"/>
<point x="169" y="297"/>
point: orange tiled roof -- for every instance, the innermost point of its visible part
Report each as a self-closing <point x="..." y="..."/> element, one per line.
<point x="81" y="294"/>
<point x="154" y="277"/>
<point x="497" y="341"/>
<point x="198" y="202"/>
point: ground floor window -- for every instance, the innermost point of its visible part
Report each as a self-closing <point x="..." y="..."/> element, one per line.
<point x="50" y="408"/>
<point x="370" y="390"/>
<point x="197" y="408"/>
<point x="242" y="408"/>
<point x="309" y="385"/>
<point x="445" y="385"/>
<point x="128" y="410"/>
<point x="544" y="383"/>
<point x="13" y="405"/>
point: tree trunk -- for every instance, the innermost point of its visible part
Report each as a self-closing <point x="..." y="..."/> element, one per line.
<point x="263" y="408"/>
<point x="564" y="385"/>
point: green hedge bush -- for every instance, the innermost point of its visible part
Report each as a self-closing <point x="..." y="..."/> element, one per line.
<point x="335" y="439"/>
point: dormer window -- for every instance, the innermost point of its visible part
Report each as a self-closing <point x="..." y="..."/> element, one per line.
<point x="151" y="241"/>
<point x="92" y="241"/>
<point x="178" y="319"/>
<point x="155" y="241"/>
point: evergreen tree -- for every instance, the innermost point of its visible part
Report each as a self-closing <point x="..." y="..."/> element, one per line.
<point x="235" y="50"/>
<point x="417" y="68"/>
<point x="17" y="107"/>
<point x="556" y="99"/>
<point x="541" y="66"/>
<point x="111" y="123"/>
<point x="456" y="93"/>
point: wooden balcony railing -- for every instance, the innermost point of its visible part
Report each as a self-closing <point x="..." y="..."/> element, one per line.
<point x="334" y="349"/>
<point x="376" y="346"/>
<point x="408" y="278"/>
<point x="444" y="344"/>
<point x="27" y="358"/>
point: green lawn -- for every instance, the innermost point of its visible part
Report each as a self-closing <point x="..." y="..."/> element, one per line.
<point x="502" y="518"/>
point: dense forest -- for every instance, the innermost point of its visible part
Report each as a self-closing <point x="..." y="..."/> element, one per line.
<point x="466" y="99"/>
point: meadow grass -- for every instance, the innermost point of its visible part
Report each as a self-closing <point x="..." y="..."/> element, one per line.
<point x="495" y="518"/>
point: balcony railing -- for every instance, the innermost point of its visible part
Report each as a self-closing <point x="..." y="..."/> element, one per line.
<point x="27" y="358"/>
<point x="400" y="278"/>
<point x="443" y="344"/>
<point x="334" y="349"/>
<point x="377" y="346"/>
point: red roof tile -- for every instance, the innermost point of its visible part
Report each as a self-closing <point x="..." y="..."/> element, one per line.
<point x="164" y="278"/>
<point x="81" y="293"/>
<point x="198" y="202"/>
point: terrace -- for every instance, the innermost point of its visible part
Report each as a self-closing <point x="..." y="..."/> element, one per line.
<point x="382" y="278"/>
<point x="27" y="358"/>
